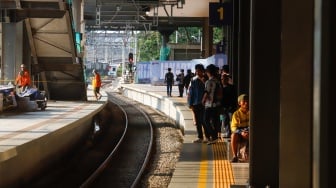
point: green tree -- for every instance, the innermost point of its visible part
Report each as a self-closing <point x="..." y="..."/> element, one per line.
<point x="186" y="35"/>
<point x="190" y="35"/>
<point x="149" y="43"/>
<point x="217" y="35"/>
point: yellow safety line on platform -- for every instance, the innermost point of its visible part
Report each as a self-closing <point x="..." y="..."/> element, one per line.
<point x="203" y="173"/>
<point x="223" y="176"/>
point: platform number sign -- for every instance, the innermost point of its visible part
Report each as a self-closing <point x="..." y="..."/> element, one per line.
<point x="220" y="14"/>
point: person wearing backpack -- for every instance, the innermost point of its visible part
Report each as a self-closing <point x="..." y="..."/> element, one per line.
<point x="169" y="80"/>
<point x="212" y="102"/>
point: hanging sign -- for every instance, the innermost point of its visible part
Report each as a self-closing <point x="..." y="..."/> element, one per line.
<point x="220" y="14"/>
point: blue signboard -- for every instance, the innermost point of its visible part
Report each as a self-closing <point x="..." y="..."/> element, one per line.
<point x="220" y="14"/>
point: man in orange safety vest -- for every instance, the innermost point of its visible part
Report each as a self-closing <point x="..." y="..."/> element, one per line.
<point x="23" y="78"/>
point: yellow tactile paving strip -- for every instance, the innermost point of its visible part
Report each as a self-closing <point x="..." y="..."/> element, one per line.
<point x="223" y="175"/>
<point x="203" y="173"/>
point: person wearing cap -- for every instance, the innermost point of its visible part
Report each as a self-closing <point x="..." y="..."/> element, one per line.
<point x="96" y="84"/>
<point x="240" y="124"/>
<point x="23" y="78"/>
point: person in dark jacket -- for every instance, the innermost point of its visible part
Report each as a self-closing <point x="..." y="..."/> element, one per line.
<point x="187" y="79"/>
<point x="229" y="104"/>
<point x="180" y="80"/>
<point x="169" y="80"/>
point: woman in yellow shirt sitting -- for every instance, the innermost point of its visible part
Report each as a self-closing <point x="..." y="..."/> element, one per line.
<point x="240" y="124"/>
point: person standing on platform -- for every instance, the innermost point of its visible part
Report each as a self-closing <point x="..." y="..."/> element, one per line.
<point x="211" y="114"/>
<point x="187" y="79"/>
<point x="180" y="79"/>
<point x="195" y="96"/>
<point x="240" y="125"/>
<point x="169" y="80"/>
<point x="96" y="84"/>
<point x="228" y="102"/>
<point x="23" y="80"/>
<point x="226" y="71"/>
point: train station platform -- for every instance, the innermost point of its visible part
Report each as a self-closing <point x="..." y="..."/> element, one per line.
<point x="200" y="165"/>
<point x="30" y="140"/>
<point x="26" y="139"/>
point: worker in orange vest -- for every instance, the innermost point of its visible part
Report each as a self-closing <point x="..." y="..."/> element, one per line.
<point x="96" y="84"/>
<point x="23" y="78"/>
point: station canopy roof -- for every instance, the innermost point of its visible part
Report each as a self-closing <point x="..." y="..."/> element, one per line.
<point x="144" y="14"/>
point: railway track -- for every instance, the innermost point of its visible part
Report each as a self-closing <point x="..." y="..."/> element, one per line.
<point x="115" y="154"/>
<point x="126" y="166"/>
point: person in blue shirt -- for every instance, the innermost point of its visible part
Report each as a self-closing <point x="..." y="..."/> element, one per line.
<point x="195" y="96"/>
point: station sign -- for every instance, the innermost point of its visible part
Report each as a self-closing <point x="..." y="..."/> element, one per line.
<point x="220" y="14"/>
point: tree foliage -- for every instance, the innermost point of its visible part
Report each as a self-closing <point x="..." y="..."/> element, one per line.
<point x="149" y="43"/>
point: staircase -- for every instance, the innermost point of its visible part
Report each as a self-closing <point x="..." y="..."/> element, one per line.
<point x="55" y="64"/>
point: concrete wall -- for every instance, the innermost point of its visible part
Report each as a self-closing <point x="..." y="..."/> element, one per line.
<point x="173" y="108"/>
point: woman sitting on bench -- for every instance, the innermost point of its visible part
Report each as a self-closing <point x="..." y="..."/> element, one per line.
<point x="240" y="125"/>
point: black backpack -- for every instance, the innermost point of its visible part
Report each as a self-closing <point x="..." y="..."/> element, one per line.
<point x="170" y="77"/>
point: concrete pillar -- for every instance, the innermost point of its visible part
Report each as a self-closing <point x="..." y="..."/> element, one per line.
<point x="207" y="39"/>
<point x="1" y="57"/>
<point x="265" y="93"/>
<point x="12" y="50"/>
<point x="77" y="14"/>
<point x="165" y="50"/>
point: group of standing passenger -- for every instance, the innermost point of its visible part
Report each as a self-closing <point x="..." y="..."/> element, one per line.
<point x="213" y="100"/>
<point x="183" y="81"/>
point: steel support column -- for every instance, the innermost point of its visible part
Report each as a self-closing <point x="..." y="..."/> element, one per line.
<point x="242" y="66"/>
<point x="265" y="92"/>
<point x="295" y="151"/>
<point x="207" y="39"/>
<point x="324" y="171"/>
